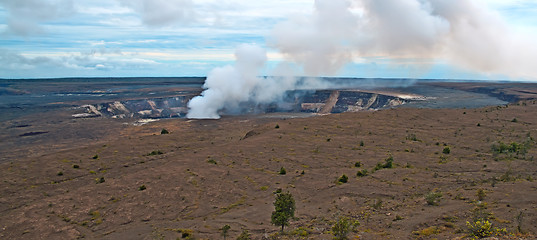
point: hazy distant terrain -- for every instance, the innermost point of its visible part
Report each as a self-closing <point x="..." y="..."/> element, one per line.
<point x="63" y="111"/>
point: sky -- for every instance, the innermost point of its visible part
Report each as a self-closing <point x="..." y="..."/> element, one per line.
<point x="175" y="38"/>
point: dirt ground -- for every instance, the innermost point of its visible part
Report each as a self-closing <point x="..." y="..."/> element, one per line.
<point x="136" y="183"/>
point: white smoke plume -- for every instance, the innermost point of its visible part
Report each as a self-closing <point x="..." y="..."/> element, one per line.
<point x="227" y="87"/>
<point x="466" y="33"/>
<point x="463" y="32"/>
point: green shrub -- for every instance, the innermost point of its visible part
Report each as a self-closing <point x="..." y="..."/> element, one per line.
<point x="433" y="198"/>
<point x="343" y="227"/>
<point x="362" y="173"/>
<point x="282" y="171"/>
<point x="141" y="188"/>
<point x="301" y="231"/>
<point x="245" y="235"/>
<point x="186" y="233"/>
<point x="76" y="166"/>
<point x="164" y="131"/>
<point x="96" y="156"/>
<point x="483" y="229"/>
<point x="343" y="179"/>
<point x="357" y="164"/>
<point x="212" y="161"/>
<point x="446" y="150"/>
<point x="412" y="137"/>
<point x="512" y="148"/>
<point x="388" y="163"/>
<point x="99" y="180"/>
<point x="153" y="153"/>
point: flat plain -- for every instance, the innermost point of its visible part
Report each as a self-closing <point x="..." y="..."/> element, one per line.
<point x="450" y="167"/>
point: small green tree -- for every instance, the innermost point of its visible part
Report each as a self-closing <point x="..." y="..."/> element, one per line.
<point x="284" y="210"/>
<point x="224" y="230"/>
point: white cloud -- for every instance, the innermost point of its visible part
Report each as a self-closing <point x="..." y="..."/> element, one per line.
<point x="97" y="59"/>
<point x="163" y="12"/>
<point x="25" y="16"/>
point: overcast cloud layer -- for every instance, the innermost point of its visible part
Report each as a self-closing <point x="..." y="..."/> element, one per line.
<point x="361" y="38"/>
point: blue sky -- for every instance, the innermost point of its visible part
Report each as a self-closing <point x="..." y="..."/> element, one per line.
<point x="122" y="38"/>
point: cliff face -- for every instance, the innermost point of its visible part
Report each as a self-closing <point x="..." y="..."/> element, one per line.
<point x="146" y="108"/>
<point x="322" y="101"/>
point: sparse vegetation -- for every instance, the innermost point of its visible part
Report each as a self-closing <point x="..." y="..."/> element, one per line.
<point x="362" y="173"/>
<point x="236" y="183"/>
<point x="212" y="161"/>
<point x="154" y="153"/>
<point x="301" y="232"/>
<point x="519" y="219"/>
<point x="433" y="198"/>
<point x="342" y="227"/>
<point x="245" y="235"/>
<point x="186" y="233"/>
<point x="388" y="163"/>
<point x="377" y="204"/>
<point x="412" y="137"/>
<point x="284" y="210"/>
<point x="96" y="156"/>
<point x="164" y="131"/>
<point x="99" y="180"/>
<point x="427" y="231"/>
<point x="514" y="148"/>
<point x="481" y="194"/>
<point x="483" y="229"/>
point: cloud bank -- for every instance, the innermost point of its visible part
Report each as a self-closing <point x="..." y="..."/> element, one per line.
<point x="163" y="12"/>
<point x="25" y="16"/>
<point x="466" y="33"/>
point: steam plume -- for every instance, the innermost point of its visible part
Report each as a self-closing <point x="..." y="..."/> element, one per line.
<point x="463" y="32"/>
<point x="230" y="85"/>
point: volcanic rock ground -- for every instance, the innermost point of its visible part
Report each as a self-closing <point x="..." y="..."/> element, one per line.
<point x="109" y="185"/>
